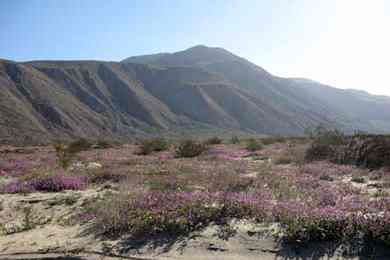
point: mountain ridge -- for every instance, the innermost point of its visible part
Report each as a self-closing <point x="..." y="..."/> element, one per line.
<point x="201" y="87"/>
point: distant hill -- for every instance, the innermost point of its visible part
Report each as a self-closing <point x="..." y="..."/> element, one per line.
<point x="201" y="88"/>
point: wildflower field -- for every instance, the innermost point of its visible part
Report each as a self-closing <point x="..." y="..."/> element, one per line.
<point x="136" y="191"/>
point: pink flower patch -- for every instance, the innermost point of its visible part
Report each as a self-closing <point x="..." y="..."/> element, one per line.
<point x="228" y="154"/>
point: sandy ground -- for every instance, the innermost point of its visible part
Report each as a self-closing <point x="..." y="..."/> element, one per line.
<point x="53" y="237"/>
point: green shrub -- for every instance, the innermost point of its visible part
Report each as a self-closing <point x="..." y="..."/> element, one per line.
<point x="234" y="140"/>
<point x="325" y="144"/>
<point x="363" y="150"/>
<point x="103" y="144"/>
<point x="190" y="148"/>
<point x="302" y="229"/>
<point x="63" y="157"/>
<point x="213" y="140"/>
<point x="327" y="136"/>
<point x="149" y="146"/>
<point x="318" y="152"/>
<point x="326" y="177"/>
<point x="254" y="145"/>
<point x="368" y="151"/>
<point x="358" y="179"/>
<point x="79" y="145"/>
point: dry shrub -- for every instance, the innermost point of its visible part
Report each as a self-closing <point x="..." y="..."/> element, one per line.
<point x="190" y="148"/>
<point x="214" y="140"/>
<point x="234" y="140"/>
<point x="67" y="152"/>
<point x="149" y="146"/>
<point x="253" y="145"/>
<point x="293" y="154"/>
<point x="368" y="151"/>
<point x="273" y="140"/>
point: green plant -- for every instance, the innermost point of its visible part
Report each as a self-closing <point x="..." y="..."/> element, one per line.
<point x="358" y="179"/>
<point x="326" y="177"/>
<point x="79" y="145"/>
<point x="234" y="140"/>
<point x="190" y="148"/>
<point x="63" y="156"/>
<point x="64" y="200"/>
<point x="148" y="146"/>
<point x="27" y="221"/>
<point x="226" y="231"/>
<point x="67" y="152"/>
<point x="317" y="152"/>
<point x="213" y="140"/>
<point x="103" y="144"/>
<point x="254" y="145"/>
<point x="328" y="136"/>
<point x="272" y="140"/>
<point x="301" y="229"/>
<point x="325" y="143"/>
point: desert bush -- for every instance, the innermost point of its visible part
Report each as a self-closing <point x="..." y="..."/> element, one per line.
<point x="67" y="152"/>
<point x="225" y="232"/>
<point x="170" y="183"/>
<point x="234" y="140"/>
<point x="149" y="146"/>
<point x="79" y="145"/>
<point x="103" y="144"/>
<point x="358" y="179"/>
<point x="283" y="159"/>
<point x="272" y="140"/>
<point x="327" y="136"/>
<point x="326" y="177"/>
<point x="190" y="148"/>
<point x="368" y="151"/>
<point x="213" y="140"/>
<point x="63" y="156"/>
<point x="324" y="145"/>
<point x="304" y="229"/>
<point x="253" y="145"/>
<point x="317" y="152"/>
<point x="241" y="185"/>
<point x="99" y="176"/>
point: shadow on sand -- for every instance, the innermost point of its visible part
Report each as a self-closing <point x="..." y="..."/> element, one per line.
<point x="354" y="249"/>
<point x="333" y="250"/>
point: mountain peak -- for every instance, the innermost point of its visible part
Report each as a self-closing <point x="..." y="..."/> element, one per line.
<point x="193" y="56"/>
<point x="199" y="46"/>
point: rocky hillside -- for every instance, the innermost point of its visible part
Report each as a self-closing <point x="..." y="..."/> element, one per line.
<point x="199" y="88"/>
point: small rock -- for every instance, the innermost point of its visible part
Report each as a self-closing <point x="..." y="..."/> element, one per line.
<point x="94" y="166"/>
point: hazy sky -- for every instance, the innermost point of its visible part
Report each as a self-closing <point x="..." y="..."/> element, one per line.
<point x="339" y="42"/>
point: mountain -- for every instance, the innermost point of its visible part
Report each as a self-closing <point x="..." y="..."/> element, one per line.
<point x="199" y="89"/>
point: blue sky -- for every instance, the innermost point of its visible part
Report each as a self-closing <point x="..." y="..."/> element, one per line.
<point x="342" y="43"/>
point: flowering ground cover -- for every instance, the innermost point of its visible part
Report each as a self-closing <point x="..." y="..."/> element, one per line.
<point x="159" y="193"/>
